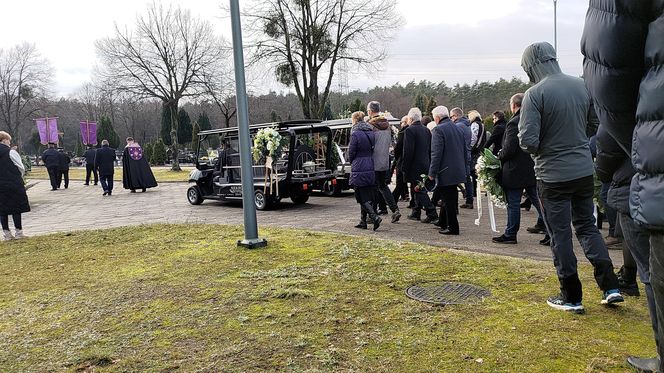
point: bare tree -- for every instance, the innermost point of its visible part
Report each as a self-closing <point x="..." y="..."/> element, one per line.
<point x="305" y="40"/>
<point x="166" y="57"/>
<point x="219" y="89"/>
<point x="25" y="82"/>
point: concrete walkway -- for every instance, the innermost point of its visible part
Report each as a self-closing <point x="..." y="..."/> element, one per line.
<point x="83" y="207"/>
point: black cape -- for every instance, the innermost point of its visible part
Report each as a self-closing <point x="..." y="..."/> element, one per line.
<point x="136" y="172"/>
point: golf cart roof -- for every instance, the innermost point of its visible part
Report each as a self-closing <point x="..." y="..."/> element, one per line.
<point x="254" y="127"/>
<point x="347" y="123"/>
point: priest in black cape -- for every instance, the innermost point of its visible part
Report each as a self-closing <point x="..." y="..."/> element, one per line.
<point x="136" y="172"/>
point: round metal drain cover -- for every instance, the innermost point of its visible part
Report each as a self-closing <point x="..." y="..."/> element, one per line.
<point x="447" y="293"/>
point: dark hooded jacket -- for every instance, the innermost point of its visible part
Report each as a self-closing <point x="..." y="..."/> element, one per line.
<point x="557" y="116"/>
<point x="383" y="134"/>
<point x="623" y="45"/>
<point x="360" y="155"/>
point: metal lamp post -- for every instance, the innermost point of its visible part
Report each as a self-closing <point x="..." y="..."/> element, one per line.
<point x="251" y="239"/>
<point x="555" y="25"/>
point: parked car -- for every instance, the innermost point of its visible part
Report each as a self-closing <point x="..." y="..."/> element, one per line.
<point x="305" y="161"/>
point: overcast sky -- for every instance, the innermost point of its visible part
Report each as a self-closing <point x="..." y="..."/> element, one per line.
<point x="452" y="40"/>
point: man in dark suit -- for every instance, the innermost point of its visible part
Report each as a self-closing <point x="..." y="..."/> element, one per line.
<point x="517" y="174"/>
<point x="448" y="166"/>
<point x="496" y="139"/>
<point x="105" y="163"/>
<point x="63" y="167"/>
<point x="90" y="165"/>
<point x="51" y="159"/>
<point x="415" y="162"/>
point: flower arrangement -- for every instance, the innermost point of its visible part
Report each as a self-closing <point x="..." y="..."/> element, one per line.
<point x="488" y="167"/>
<point x="267" y="143"/>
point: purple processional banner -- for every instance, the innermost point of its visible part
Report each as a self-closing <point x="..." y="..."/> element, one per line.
<point x="48" y="130"/>
<point x="89" y="132"/>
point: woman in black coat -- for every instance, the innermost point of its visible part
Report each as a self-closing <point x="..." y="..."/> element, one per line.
<point x="362" y="175"/>
<point x="13" y="199"/>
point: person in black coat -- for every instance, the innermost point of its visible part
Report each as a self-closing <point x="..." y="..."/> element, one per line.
<point x="13" y="199"/>
<point x="401" y="189"/>
<point x="517" y="174"/>
<point x="90" y="165"/>
<point x="136" y="172"/>
<point x="496" y="139"/>
<point x="63" y="167"/>
<point x="415" y="163"/>
<point x="51" y="159"/>
<point x="105" y="163"/>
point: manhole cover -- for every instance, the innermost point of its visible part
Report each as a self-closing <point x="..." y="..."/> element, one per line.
<point x="447" y="293"/>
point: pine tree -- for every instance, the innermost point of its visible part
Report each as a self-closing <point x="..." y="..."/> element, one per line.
<point x="79" y="149"/>
<point x="184" y="127"/>
<point x="204" y="122"/>
<point x="274" y="117"/>
<point x="158" y="153"/>
<point x="194" y="136"/>
<point x="107" y="132"/>
<point x="355" y="106"/>
<point x="420" y="102"/>
<point x="147" y="151"/>
<point x="166" y="126"/>
<point x="431" y="104"/>
<point x="327" y="113"/>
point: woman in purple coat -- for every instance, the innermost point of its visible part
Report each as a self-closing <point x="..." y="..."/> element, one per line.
<point x="362" y="176"/>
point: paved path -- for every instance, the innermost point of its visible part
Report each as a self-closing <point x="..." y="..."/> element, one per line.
<point x="82" y="207"/>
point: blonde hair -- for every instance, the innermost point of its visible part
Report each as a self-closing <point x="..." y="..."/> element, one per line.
<point x="357" y="116"/>
<point x="474" y="114"/>
<point x="5" y="136"/>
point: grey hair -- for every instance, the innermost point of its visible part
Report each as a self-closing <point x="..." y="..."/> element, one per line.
<point x="104" y="142"/>
<point x="458" y="112"/>
<point x="440" y="112"/>
<point x="374" y="106"/>
<point x="517" y="99"/>
<point x="415" y="114"/>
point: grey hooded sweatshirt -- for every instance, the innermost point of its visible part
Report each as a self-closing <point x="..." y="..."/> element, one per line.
<point x="557" y="116"/>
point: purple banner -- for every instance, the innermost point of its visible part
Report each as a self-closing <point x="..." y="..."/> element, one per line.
<point x="48" y="130"/>
<point x="89" y="132"/>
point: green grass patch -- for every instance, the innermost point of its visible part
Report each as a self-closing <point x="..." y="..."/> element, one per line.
<point x="162" y="174"/>
<point x="184" y="297"/>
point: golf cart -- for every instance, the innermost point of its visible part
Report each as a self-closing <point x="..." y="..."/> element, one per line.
<point x="305" y="161"/>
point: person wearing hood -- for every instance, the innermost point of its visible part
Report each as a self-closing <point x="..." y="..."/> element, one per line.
<point x="381" y="156"/>
<point x="496" y="138"/>
<point x="623" y="46"/>
<point x="556" y="117"/>
<point x="449" y="166"/>
<point x="464" y="124"/>
<point x="362" y="175"/>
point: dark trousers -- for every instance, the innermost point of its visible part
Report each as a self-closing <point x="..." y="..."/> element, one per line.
<point x="610" y="213"/>
<point x="53" y="176"/>
<point x="514" y="209"/>
<point x="469" y="189"/>
<point x="63" y="175"/>
<point x="401" y="187"/>
<point x="571" y="203"/>
<point x="4" y="220"/>
<point x="421" y="201"/>
<point x="106" y="182"/>
<point x="382" y="181"/>
<point x="657" y="282"/>
<point x="448" y="213"/>
<point x="637" y="241"/>
<point x="91" y="169"/>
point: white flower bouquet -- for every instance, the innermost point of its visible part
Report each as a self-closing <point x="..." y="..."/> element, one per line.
<point x="488" y="167"/>
<point x="267" y="143"/>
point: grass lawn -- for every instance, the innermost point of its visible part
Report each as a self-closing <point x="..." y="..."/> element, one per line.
<point x="162" y="174"/>
<point x="184" y="297"/>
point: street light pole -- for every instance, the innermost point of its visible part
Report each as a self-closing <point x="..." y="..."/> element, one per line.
<point x="555" y="25"/>
<point x="251" y="239"/>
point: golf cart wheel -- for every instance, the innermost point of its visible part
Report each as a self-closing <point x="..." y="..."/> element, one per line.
<point x="299" y="199"/>
<point x="331" y="190"/>
<point x="261" y="200"/>
<point x="194" y="196"/>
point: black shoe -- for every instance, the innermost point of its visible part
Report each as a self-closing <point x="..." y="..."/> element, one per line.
<point x="429" y="220"/>
<point x="133" y="191"/>
<point x="105" y="194"/>
<point x="95" y="183"/>
<point x="109" y="193"/>
<point x="526" y="205"/>
<point x="628" y="286"/>
<point x="537" y="229"/>
<point x="558" y="302"/>
<point x="466" y="206"/>
<point x="447" y="232"/>
<point x="546" y="241"/>
<point x="382" y="212"/>
<point x="413" y="217"/>
<point x="143" y="191"/>
<point x="377" y="222"/>
<point x="362" y="225"/>
<point x="644" y="365"/>
<point x="86" y="184"/>
<point x="53" y="190"/>
<point x="504" y="240"/>
<point x="396" y="215"/>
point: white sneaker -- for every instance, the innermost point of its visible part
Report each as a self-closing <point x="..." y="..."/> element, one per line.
<point x="8" y="235"/>
<point x="19" y="234"/>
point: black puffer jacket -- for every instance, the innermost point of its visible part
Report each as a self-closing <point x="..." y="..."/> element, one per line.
<point x="623" y="45"/>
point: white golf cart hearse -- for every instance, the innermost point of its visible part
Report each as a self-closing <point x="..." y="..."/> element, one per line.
<point x="305" y="162"/>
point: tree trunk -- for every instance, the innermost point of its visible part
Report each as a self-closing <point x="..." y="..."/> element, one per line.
<point x="175" y="166"/>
